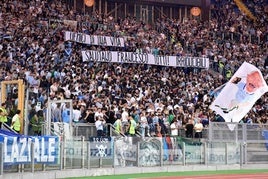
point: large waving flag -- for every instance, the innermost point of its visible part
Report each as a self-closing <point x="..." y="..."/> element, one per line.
<point x="240" y="93"/>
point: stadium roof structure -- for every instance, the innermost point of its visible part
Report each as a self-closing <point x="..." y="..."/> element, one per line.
<point x="165" y="2"/>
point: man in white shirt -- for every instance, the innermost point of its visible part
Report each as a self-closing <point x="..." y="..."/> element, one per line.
<point x="125" y="116"/>
<point x="174" y="128"/>
<point x="100" y="122"/>
<point x="76" y="114"/>
<point x="198" y="127"/>
<point x="144" y="124"/>
<point x="98" y="113"/>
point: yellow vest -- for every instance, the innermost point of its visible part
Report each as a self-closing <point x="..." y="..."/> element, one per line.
<point x="228" y="74"/>
<point x="221" y="65"/>
<point x="132" y="126"/>
<point x="117" y="126"/>
<point x="3" y="118"/>
<point x="16" y="125"/>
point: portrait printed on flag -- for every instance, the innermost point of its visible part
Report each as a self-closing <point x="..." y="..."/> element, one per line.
<point x="240" y="93"/>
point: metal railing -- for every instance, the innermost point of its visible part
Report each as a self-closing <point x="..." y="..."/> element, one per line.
<point x="7" y="127"/>
<point x="131" y="151"/>
<point x="89" y="129"/>
<point x="254" y="137"/>
<point x="119" y="150"/>
<point x="237" y="132"/>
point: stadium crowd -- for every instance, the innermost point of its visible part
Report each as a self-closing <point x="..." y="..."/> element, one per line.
<point x="152" y="97"/>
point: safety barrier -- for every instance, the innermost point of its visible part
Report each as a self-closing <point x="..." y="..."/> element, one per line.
<point x="45" y="154"/>
<point x="253" y="136"/>
<point x="89" y="129"/>
<point x="226" y="144"/>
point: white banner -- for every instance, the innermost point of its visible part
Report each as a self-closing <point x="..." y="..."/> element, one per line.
<point x="240" y="93"/>
<point x="144" y="58"/>
<point x="94" y="39"/>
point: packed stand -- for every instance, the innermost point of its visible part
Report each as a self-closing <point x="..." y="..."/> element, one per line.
<point x="154" y="100"/>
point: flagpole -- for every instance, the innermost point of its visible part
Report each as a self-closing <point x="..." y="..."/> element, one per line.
<point x="74" y="5"/>
<point x="84" y="7"/>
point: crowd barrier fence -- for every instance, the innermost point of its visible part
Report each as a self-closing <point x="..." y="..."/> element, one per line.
<point x="244" y="144"/>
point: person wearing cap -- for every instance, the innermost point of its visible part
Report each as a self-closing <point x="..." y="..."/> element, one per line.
<point x="3" y="114"/>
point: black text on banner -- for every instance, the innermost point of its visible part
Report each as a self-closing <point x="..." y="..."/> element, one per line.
<point x="144" y="58"/>
<point x="94" y="39"/>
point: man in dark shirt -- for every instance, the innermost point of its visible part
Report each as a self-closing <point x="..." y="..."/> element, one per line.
<point x="189" y="127"/>
<point x="89" y="116"/>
